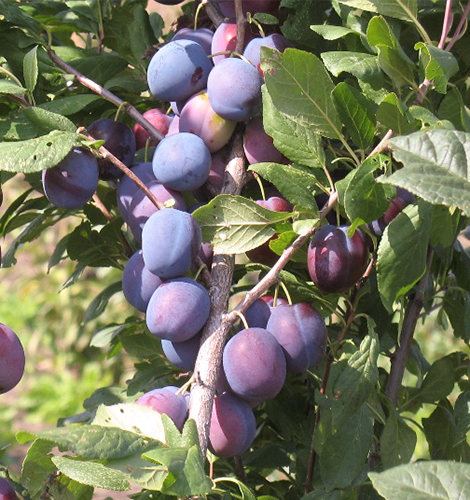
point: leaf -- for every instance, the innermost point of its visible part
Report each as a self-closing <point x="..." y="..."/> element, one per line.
<point x="99" y="303"/>
<point x="296" y="184"/>
<point x="452" y="108"/>
<point x="406" y="10"/>
<point x="439" y="65"/>
<point x="329" y="32"/>
<point x="300" y="87"/>
<point x="296" y="140"/>
<point x="30" y="69"/>
<point x="457" y="308"/>
<point x="401" y="259"/>
<point x="91" y="473"/>
<point x="427" y="480"/>
<point x="7" y="87"/>
<point x="438" y="382"/>
<point x="356" y="113"/>
<point x="436" y="166"/>
<point x="392" y="113"/>
<point x="234" y="224"/>
<point x="462" y="417"/>
<point x="46" y="121"/>
<point x="246" y="493"/>
<point x="37" y="467"/>
<point x="69" y="105"/>
<point x="35" y="155"/>
<point x="133" y="418"/>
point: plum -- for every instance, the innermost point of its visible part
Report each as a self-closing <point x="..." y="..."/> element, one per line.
<point x="182" y="161"/>
<point x="401" y="200"/>
<point x="6" y="490"/>
<point x="171" y="239"/>
<point x="252" y="51"/>
<point x="166" y="400"/>
<point x="301" y="331"/>
<point x="182" y="354"/>
<point x="257" y="315"/>
<point x="178" y="309"/>
<point x="234" y="89"/>
<point x="73" y="182"/>
<point x="335" y="261"/>
<point x="232" y="427"/>
<point x="178" y="70"/>
<point x="258" y="145"/>
<point x="160" y="120"/>
<point x="202" y="36"/>
<point x="119" y="140"/>
<point x="198" y="117"/>
<point x="12" y="359"/>
<point x="225" y="39"/>
<point x="138" y="283"/>
<point x="254" y="365"/>
<point x="227" y="7"/>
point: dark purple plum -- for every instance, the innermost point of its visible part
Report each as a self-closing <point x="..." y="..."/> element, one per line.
<point x="234" y="89"/>
<point x="127" y="188"/>
<point x="182" y="354"/>
<point x="202" y="36"/>
<point x="160" y="120"/>
<point x="138" y="283"/>
<point x="258" y="145"/>
<point x="178" y="70"/>
<point x="252" y="51"/>
<point x="335" y="261"/>
<point x="233" y="426"/>
<point x="178" y="309"/>
<point x="225" y="39"/>
<point x="165" y="400"/>
<point x="182" y="161"/>
<point x="301" y="331"/>
<point x="254" y="364"/>
<point x="12" y="359"/>
<point x="169" y="2"/>
<point x="73" y="182"/>
<point x="6" y="490"/>
<point x="257" y="315"/>
<point x="119" y="140"/>
<point x="198" y="117"/>
<point x="401" y="200"/>
<point x="171" y="239"/>
<point x="227" y="7"/>
<point x="141" y="208"/>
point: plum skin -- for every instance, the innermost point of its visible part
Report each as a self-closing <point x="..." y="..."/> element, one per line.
<point x="182" y="354"/>
<point x="160" y="120"/>
<point x="12" y="359"/>
<point x="301" y="331"/>
<point x="335" y="261"/>
<point x="6" y="490"/>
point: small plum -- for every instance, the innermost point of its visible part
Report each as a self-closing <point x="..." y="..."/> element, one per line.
<point x="12" y="359"/>
<point x="160" y="120"/>
<point x="182" y="354"/>
<point x="225" y="39"/>
<point x="6" y="490"/>
<point x="258" y="145"/>
<point x="167" y="401"/>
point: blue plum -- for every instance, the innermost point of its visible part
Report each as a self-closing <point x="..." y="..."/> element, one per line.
<point x="12" y="359"/>
<point x="252" y="51"/>
<point x="182" y="161"/>
<point x="257" y="315"/>
<point x="165" y="400"/>
<point x="178" y="309"/>
<point x="234" y="89"/>
<point x="73" y="182"/>
<point x="6" y="490"/>
<point x="202" y="36"/>
<point x="171" y="239"/>
<point x="178" y="70"/>
<point x="182" y="354"/>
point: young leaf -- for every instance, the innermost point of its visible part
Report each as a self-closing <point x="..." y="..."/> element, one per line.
<point x="30" y="69"/>
<point x="37" y="154"/>
<point x="300" y="87"/>
<point x="435" y="166"/>
<point x="439" y="65"/>
<point x="234" y="224"/>
<point x="424" y="480"/>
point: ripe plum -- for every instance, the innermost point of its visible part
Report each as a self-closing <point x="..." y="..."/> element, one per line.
<point x="401" y="200"/>
<point x="225" y="39"/>
<point x="160" y="120"/>
<point x="6" y="490"/>
<point x="202" y="36"/>
<point x="12" y="359"/>
<point x="165" y="400"/>
<point x="258" y="145"/>
<point x="182" y="354"/>
<point x="252" y="51"/>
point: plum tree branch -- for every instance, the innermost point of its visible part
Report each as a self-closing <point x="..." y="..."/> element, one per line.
<point x="241" y="26"/>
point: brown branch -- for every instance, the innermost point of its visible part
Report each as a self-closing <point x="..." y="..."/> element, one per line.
<point x="214" y="14"/>
<point x="241" y="26"/>
<point x="106" y="94"/>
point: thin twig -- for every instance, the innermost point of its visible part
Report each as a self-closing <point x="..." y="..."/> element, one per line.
<point x="241" y="26"/>
<point x="447" y="24"/>
<point x="213" y="13"/>
<point x="460" y="28"/>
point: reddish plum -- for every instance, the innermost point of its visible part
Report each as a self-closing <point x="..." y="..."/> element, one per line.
<point x="258" y="145"/>
<point x="6" y="490"/>
<point x="160" y="120"/>
<point x="165" y="400"/>
<point x="225" y="39"/>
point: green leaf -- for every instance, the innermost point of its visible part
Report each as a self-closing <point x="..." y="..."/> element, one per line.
<point x="435" y="166"/>
<point x="356" y="113"/>
<point x="296" y="184"/>
<point x="457" y="308"/>
<point x="380" y="34"/>
<point x="364" y="199"/>
<point x="37" y="468"/>
<point x="438" y="383"/>
<point x="406" y="10"/>
<point x="462" y="417"/>
<point x="300" y="87"/>
<point x="35" y="155"/>
<point x="329" y="32"/>
<point x="445" y="226"/>
<point x="46" y="121"/>
<point x="96" y="442"/>
<point x="30" y="69"/>
<point x="7" y="87"/>
<point x="234" y="224"/>
<point x="439" y="65"/>
<point x="246" y="493"/>
<point x="424" y="481"/>
<point x="296" y="140"/>
<point x="452" y="108"/>
<point x="67" y="106"/>
<point x="99" y="303"/>
<point x="392" y="113"/>
<point x="401" y="259"/>
<point x="92" y="473"/>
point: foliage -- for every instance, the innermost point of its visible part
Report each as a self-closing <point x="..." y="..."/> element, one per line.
<point x="359" y="73"/>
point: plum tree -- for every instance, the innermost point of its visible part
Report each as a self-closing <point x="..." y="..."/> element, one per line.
<point x="178" y="309"/>
<point x="73" y="182"/>
<point x="178" y="70"/>
<point x="171" y="239"/>
<point x="160" y="120"/>
<point x="234" y="89"/>
<point x="336" y="261"/>
<point x="138" y="283"/>
<point x="182" y="161"/>
<point x="232" y="426"/>
<point x="166" y="400"/>
<point x="119" y="140"/>
<point x="301" y="331"/>
<point x="12" y="359"/>
<point x="182" y="354"/>
<point x="254" y="365"/>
